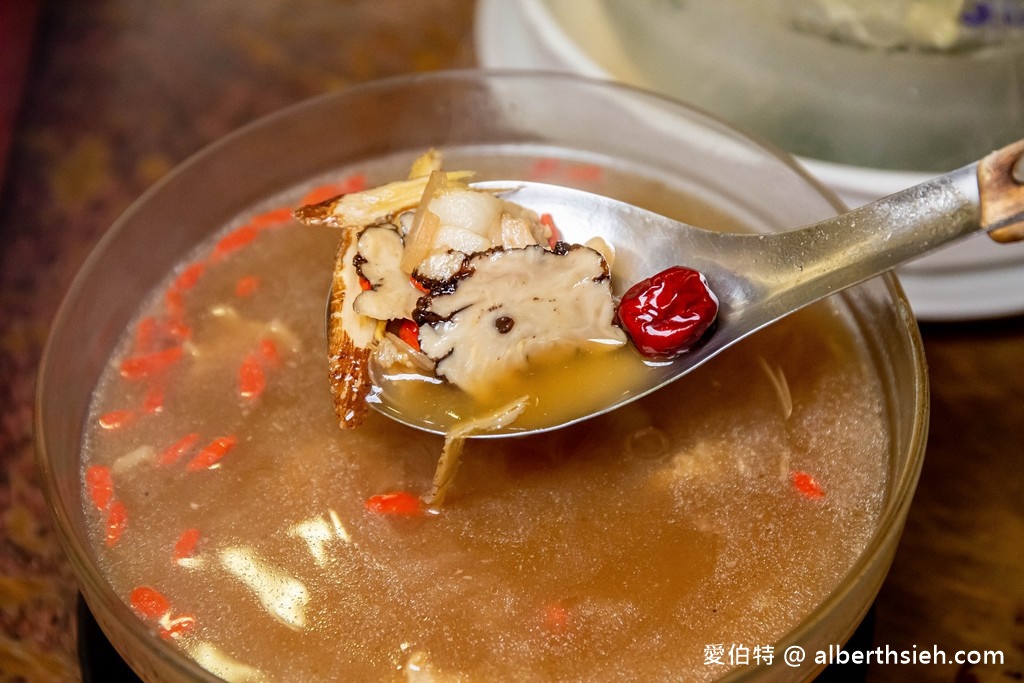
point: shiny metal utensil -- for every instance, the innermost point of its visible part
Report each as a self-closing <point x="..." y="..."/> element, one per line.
<point x="761" y="278"/>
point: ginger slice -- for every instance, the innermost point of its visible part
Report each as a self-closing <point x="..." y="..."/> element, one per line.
<point x="455" y="439"/>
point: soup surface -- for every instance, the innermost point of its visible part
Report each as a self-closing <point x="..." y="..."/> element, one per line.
<point x="231" y="513"/>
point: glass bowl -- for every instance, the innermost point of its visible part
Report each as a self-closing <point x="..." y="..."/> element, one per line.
<point x="504" y="124"/>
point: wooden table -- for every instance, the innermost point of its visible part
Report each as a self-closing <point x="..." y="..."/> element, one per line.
<point x="958" y="578"/>
<point x="120" y="91"/>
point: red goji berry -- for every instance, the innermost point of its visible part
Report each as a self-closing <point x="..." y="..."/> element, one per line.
<point x="271" y="218"/>
<point x="188" y="277"/>
<point x="320" y="194"/>
<point x="149" y="364"/>
<point x="146" y="333"/>
<point x="586" y="172"/>
<point x="545" y="167"/>
<point x="556" y="616"/>
<point x="99" y="483"/>
<point x="353" y="183"/>
<point x="174" y="302"/>
<point x="247" y="286"/>
<point x="178" y="330"/>
<point x="400" y="503"/>
<point x="186" y="544"/>
<point x="806" y="485"/>
<point x="235" y="240"/>
<point x="117" y="520"/>
<point x="149" y="602"/>
<point x="419" y="285"/>
<point x="549" y="222"/>
<point x="409" y="332"/>
<point x="252" y="380"/>
<point x="175" y="451"/>
<point x="153" y="401"/>
<point x="212" y="453"/>
<point x="268" y="349"/>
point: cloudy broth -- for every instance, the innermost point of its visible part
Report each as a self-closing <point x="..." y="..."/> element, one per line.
<point x="229" y="510"/>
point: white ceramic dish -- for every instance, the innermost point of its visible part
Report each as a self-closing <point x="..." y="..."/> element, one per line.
<point x="971" y="280"/>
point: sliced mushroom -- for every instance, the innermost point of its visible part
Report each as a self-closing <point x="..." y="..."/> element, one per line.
<point x="392" y="295"/>
<point x="508" y="307"/>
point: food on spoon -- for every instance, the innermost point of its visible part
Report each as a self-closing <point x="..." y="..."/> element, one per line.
<point x="438" y="282"/>
<point x="457" y="284"/>
<point x="441" y="281"/>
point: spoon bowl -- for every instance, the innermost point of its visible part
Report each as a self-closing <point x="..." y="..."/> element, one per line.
<point x="761" y="278"/>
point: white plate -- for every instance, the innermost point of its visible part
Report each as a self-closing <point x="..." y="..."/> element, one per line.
<point x="973" y="279"/>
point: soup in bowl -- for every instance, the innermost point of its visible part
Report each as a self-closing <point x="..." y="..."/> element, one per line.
<point x="220" y="523"/>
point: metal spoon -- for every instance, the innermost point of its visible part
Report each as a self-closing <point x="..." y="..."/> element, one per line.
<point x="761" y="278"/>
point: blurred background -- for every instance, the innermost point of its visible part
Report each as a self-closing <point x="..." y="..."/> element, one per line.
<point x="99" y="99"/>
<point x="871" y="95"/>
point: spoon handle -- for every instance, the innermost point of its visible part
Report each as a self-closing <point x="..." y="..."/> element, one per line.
<point x="986" y="196"/>
<point x="1001" y="186"/>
